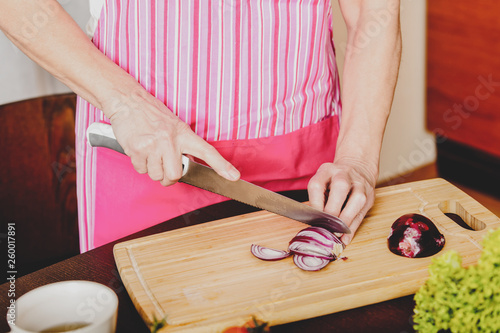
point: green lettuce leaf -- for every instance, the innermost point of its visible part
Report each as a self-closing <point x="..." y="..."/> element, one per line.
<point x="459" y="299"/>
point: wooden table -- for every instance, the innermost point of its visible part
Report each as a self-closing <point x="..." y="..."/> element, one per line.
<point x="98" y="265"/>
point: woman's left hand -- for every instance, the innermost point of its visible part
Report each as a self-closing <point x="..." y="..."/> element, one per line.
<point x="344" y="188"/>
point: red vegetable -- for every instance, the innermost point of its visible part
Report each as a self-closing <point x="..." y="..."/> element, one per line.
<point x="310" y="263"/>
<point x="415" y="236"/>
<point x="266" y="253"/>
<point x="253" y="326"/>
<point x="313" y="248"/>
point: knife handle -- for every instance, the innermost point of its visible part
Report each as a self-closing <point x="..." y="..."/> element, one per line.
<point x="102" y="135"/>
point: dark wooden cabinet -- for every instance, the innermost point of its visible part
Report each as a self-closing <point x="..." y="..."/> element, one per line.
<point x="463" y="72"/>
<point x="38" y="180"/>
<point x="463" y="87"/>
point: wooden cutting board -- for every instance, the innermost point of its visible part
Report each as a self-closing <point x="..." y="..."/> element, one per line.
<point x="203" y="278"/>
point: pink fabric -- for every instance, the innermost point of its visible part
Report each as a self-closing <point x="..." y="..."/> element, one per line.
<point x="251" y="77"/>
<point x="129" y="202"/>
<point x="256" y="68"/>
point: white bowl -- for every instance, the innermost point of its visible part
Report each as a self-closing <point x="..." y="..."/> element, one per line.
<point x="65" y="306"/>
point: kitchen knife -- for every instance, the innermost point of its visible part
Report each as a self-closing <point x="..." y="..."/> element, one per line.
<point x="101" y="135"/>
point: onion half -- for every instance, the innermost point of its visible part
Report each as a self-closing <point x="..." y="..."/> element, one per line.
<point x="415" y="236"/>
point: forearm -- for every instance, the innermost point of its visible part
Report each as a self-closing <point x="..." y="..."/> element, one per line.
<point x="153" y="136"/>
<point x="46" y="33"/>
<point x="370" y="73"/>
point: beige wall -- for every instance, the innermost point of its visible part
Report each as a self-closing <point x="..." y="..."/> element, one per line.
<point x="407" y="145"/>
<point x="20" y="77"/>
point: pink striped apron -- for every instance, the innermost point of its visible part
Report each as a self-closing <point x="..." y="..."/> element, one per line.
<point x="256" y="79"/>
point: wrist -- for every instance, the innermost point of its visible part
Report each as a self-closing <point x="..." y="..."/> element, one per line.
<point x="360" y="152"/>
<point x="368" y="169"/>
<point x="359" y="146"/>
<point x="121" y="98"/>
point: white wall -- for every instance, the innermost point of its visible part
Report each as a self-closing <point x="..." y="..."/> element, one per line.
<point x="407" y="145"/>
<point x="21" y="78"/>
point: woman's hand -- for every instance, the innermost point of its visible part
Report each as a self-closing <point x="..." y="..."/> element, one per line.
<point x="155" y="138"/>
<point x="151" y="135"/>
<point x="344" y="188"/>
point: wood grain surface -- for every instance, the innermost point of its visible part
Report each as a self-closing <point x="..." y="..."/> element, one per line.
<point x="203" y="278"/>
<point x="393" y="316"/>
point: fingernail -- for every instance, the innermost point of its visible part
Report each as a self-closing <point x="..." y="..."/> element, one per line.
<point x="233" y="174"/>
<point x="346" y="240"/>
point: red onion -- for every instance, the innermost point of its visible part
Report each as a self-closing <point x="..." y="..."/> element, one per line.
<point x="415" y="236"/>
<point x="305" y="249"/>
<point x="309" y="263"/>
<point x="313" y="248"/>
<point x="266" y="253"/>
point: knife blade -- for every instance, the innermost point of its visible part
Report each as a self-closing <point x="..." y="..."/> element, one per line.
<point x="198" y="175"/>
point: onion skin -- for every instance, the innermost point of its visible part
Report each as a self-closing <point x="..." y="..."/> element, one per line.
<point x="415" y="236"/>
<point x="313" y="248"/>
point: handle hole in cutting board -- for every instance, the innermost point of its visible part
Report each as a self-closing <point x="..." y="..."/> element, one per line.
<point x="457" y="213"/>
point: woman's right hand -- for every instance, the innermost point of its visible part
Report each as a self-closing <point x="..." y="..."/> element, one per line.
<point x="149" y="132"/>
<point x="155" y="139"/>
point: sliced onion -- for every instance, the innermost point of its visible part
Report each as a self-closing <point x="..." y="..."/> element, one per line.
<point x="313" y="248"/>
<point x="312" y="239"/>
<point x="310" y="263"/>
<point x="266" y="253"/>
<point x="318" y="231"/>
<point x="324" y="242"/>
<point x="326" y="225"/>
<point x="338" y="248"/>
